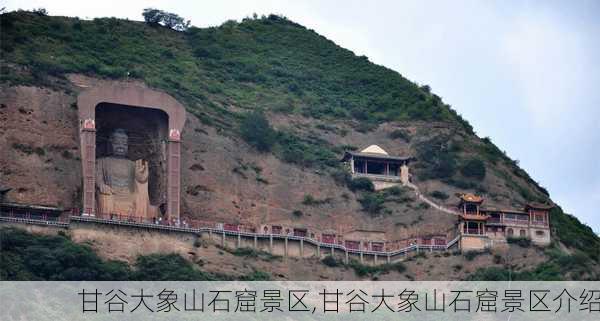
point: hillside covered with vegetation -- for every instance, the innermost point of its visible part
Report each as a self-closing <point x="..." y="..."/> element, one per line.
<point x="229" y="77"/>
<point x="26" y="256"/>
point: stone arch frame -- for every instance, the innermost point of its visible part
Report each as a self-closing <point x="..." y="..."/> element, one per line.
<point x="133" y="95"/>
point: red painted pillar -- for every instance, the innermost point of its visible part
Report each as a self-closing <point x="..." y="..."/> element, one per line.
<point x="174" y="177"/>
<point x="88" y="157"/>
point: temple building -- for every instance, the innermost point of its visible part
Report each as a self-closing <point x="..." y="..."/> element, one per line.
<point x="484" y="227"/>
<point x="377" y="165"/>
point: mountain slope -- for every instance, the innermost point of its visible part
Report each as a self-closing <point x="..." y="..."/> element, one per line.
<point x="320" y="99"/>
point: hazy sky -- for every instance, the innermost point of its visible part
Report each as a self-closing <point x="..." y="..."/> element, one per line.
<point x="525" y="73"/>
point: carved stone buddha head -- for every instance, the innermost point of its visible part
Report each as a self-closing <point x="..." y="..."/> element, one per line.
<point x="118" y="145"/>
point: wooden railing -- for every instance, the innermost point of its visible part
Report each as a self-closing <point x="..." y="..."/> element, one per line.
<point x="493" y="220"/>
<point x="197" y="226"/>
<point x="391" y="178"/>
<point x="36" y="219"/>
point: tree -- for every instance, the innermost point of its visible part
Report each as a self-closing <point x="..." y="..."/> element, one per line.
<point x="474" y="168"/>
<point x="40" y="12"/>
<point x="167" y="19"/>
<point x="361" y="184"/>
<point x="257" y="131"/>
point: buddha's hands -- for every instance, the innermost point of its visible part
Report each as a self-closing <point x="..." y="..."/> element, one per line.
<point x="141" y="170"/>
<point x="105" y="189"/>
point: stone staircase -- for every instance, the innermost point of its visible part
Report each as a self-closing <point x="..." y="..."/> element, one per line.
<point x="431" y="203"/>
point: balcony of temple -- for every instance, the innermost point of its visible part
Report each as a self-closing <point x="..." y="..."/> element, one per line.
<point x="534" y="215"/>
<point x="502" y="217"/>
<point x="539" y="214"/>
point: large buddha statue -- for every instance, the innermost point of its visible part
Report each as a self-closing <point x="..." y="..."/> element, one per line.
<point x="122" y="184"/>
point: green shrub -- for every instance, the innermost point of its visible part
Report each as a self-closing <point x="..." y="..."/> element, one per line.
<point x="423" y="206"/>
<point x="544" y="272"/>
<point x="27" y="149"/>
<point x="394" y="191"/>
<point x="462" y="184"/>
<point x="252" y="253"/>
<point x="297" y="213"/>
<point x="568" y="230"/>
<point x="26" y="256"/>
<point x="439" y="195"/>
<point x="471" y="255"/>
<point x="306" y="152"/>
<point x="372" y="203"/>
<point x="331" y="261"/>
<point x="520" y="241"/>
<point x="169" y="267"/>
<point x="67" y="154"/>
<point x="497" y="259"/>
<point x="400" y="134"/>
<point x="361" y="184"/>
<point x="341" y="176"/>
<point x="438" y="161"/>
<point x="256" y="131"/>
<point x="490" y="151"/>
<point x="474" y="168"/>
<point x="420" y="255"/>
<point x="310" y="200"/>
<point x="245" y="251"/>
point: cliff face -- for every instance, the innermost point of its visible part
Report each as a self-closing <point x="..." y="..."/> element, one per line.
<point x="40" y="146"/>
<point x="319" y="98"/>
<point x="223" y="179"/>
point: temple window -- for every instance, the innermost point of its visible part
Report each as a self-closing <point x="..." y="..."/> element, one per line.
<point x="495" y="217"/>
<point x="539" y="233"/>
<point x="377" y="168"/>
<point x="522" y="233"/>
<point x="276" y="229"/>
<point x="473" y="228"/>
<point x="328" y="238"/>
<point x="353" y="245"/>
<point x="359" y="166"/>
<point x="394" y="169"/>
<point x="300" y="232"/>
<point x="231" y="227"/>
<point x="510" y="232"/>
<point x="471" y="208"/>
<point x="439" y="241"/>
<point x="377" y="246"/>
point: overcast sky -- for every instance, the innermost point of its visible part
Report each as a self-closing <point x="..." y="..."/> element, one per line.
<point x="526" y="74"/>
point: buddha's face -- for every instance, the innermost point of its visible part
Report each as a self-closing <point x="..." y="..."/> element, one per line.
<point x="118" y="144"/>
